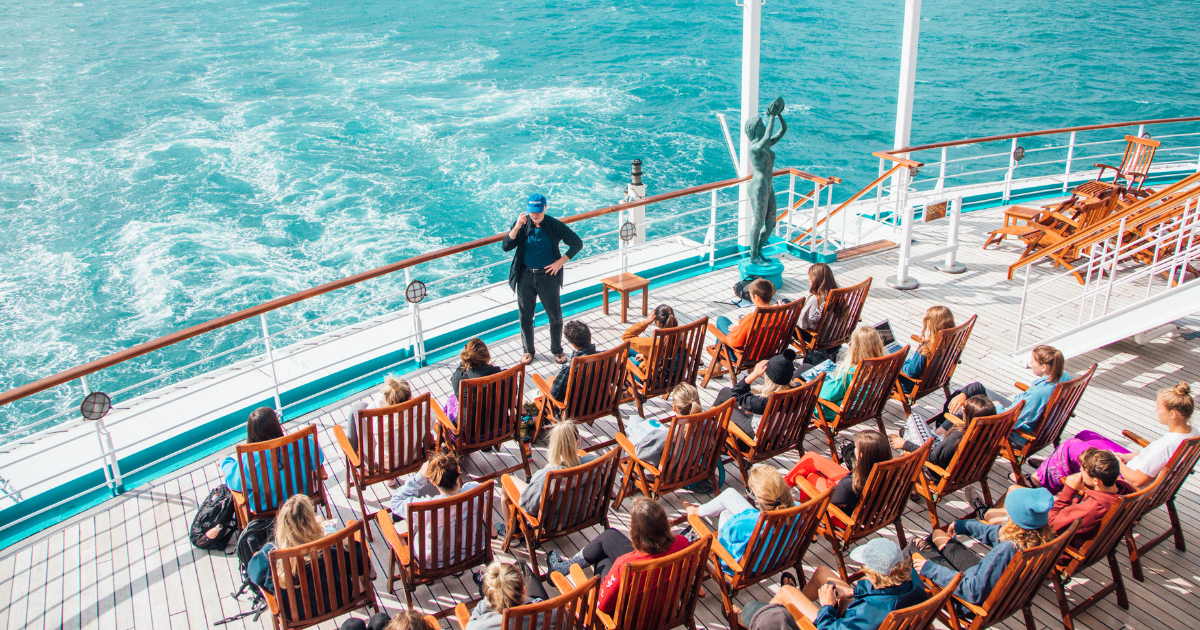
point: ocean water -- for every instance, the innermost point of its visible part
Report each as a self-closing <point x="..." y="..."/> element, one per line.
<point x="166" y="163"/>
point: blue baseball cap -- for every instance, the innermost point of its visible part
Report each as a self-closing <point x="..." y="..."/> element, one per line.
<point x="537" y="203"/>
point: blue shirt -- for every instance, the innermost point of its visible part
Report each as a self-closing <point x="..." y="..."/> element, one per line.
<point x="912" y="368"/>
<point x="735" y="536"/>
<point x="1035" y="399"/>
<point x="871" y="605"/>
<point x="539" y="251"/>
<point x="264" y="461"/>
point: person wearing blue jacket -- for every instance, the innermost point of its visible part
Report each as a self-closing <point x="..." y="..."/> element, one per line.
<point x="737" y="518"/>
<point x="890" y="583"/>
<point x="1027" y="527"/>
<point x="263" y="426"/>
<point x="937" y="319"/>
<point x="1046" y="363"/>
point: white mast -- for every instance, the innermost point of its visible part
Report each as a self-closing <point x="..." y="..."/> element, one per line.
<point x="751" y="26"/>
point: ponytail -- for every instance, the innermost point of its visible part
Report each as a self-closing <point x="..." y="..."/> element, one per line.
<point x="1048" y="355"/>
<point x="664" y="316"/>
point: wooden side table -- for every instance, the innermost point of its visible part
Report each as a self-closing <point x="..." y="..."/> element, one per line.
<point x="626" y="283"/>
<point x="1011" y="227"/>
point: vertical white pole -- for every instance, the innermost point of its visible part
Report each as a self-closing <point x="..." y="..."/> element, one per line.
<point x="901" y="280"/>
<point x="1070" y="156"/>
<point x="751" y="27"/>
<point x="271" y="360"/>
<point x="712" y="232"/>
<point x="1012" y="164"/>
<point x="951" y="265"/>
<point x="791" y="202"/>
<point x="941" y="185"/>
<point x="908" y="78"/>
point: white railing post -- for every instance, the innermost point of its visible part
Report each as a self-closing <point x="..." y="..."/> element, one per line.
<point x="1070" y="156"/>
<point x="828" y="218"/>
<point x="941" y="185"/>
<point x="712" y="232"/>
<point x="901" y="280"/>
<point x="951" y="265"/>
<point x="108" y="452"/>
<point x="414" y="314"/>
<point x="791" y="205"/>
<point x="262" y="318"/>
<point x="1021" y="312"/>
<point x="622" y="246"/>
<point x="1112" y="272"/>
<point x="1012" y="165"/>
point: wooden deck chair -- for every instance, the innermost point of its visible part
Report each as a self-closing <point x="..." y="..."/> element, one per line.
<point x="674" y="358"/>
<point x="1014" y="590"/>
<point x="782" y="427"/>
<point x="326" y="578"/>
<point x="1049" y="426"/>
<point x="779" y="542"/>
<point x="1169" y="481"/>
<point x="445" y="536"/>
<point x="489" y="414"/>
<point x="392" y="441"/>
<point x="656" y="594"/>
<point x="573" y="500"/>
<point x="1114" y="528"/>
<point x="1055" y="227"/>
<point x="1135" y="165"/>
<point x="972" y="462"/>
<point x="574" y="609"/>
<point x="594" y="390"/>
<point x="884" y="499"/>
<point x="872" y="385"/>
<point x="842" y="312"/>
<point x="691" y="455"/>
<point x="275" y="470"/>
<point x="771" y="330"/>
<point x="946" y="350"/>
<point x="919" y="617"/>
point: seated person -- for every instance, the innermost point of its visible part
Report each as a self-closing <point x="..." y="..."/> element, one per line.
<point x="393" y="392"/>
<point x="404" y="620"/>
<point x="1046" y="363"/>
<point x="865" y="343"/>
<point x="649" y="537"/>
<point x="475" y="361"/>
<point x="650" y="436"/>
<point x="943" y="451"/>
<point x="870" y="448"/>
<point x="761" y="292"/>
<point x="736" y="518"/>
<point x="937" y="319"/>
<point x="820" y="283"/>
<point x="752" y="402"/>
<point x="263" y="426"/>
<point x="1086" y="496"/>
<point x="1174" y="406"/>
<point x="941" y="556"/>
<point x="440" y="476"/>
<point x="639" y="346"/>
<point x="889" y="583"/>
<point x="579" y="336"/>
<point x="505" y="586"/>
<point x="563" y="453"/>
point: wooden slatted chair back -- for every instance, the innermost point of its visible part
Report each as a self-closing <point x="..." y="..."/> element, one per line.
<point x="577" y="498"/>
<point x="574" y="609"/>
<point x="674" y="358"/>
<point x="780" y="540"/>
<point x="661" y="593"/>
<point x="1135" y="165"/>
<point x="449" y="535"/>
<point x="275" y="470"/>
<point x="872" y="386"/>
<point x="693" y="448"/>
<point x="1115" y="524"/>
<point x="1049" y="427"/>
<point x="885" y="494"/>
<point x="1174" y="473"/>
<point x="489" y="409"/>
<point x="785" y="421"/>
<point x="977" y="452"/>
<point x="394" y="441"/>
<point x="946" y="350"/>
<point x="921" y="616"/>
<point x="594" y="388"/>
<point x="843" y="308"/>
<point x="1021" y="579"/>
<point x="771" y="331"/>
<point x="324" y="579"/>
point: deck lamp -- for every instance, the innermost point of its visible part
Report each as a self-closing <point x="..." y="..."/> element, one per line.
<point x="95" y="406"/>
<point x="628" y="231"/>
<point x="1018" y="154"/>
<point x="415" y="292"/>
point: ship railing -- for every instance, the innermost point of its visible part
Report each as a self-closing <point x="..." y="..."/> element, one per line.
<point x="689" y="238"/>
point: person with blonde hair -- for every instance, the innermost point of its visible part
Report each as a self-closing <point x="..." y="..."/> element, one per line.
<point x="937" y="319"/>
<point x="650" y="437"/>
<point x="865" y="343"/>
<point x="440" y="476"/>
<point x="751" y="401"/>
<point x="393" y="392"/>
<point x="504" y="586"/>
<point x="563" y="453"/>
<point x="736" y="517"/>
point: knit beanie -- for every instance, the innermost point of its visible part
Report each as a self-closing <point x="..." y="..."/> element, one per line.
<point x="1029" y="508"/>
<point x="781" y="367"/>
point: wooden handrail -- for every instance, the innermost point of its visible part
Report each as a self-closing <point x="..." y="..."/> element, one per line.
<point x="900" y="162"/>
<point x="183" y="335"/>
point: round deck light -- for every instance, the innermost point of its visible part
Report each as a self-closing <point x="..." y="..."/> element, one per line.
<point x="95" y="406"/>
<point x="628" y="231"/>
<point x="1018" y="154"/>
<point x="415" y="292"/>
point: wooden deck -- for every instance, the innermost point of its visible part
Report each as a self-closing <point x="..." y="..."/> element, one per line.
<point x="128" y="563"/>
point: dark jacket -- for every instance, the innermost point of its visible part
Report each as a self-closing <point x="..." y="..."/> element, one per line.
<point x="558" y="233"/>
<point x="871" y="605"/>
<point x="558" y="389"/>
<point x="479" y="372"/>
<point x="942" y="452"/>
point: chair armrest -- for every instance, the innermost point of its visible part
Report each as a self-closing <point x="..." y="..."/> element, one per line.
<point x="394" y="542"/>
<point x="1104" y="166"/>
<point x="544" y="387"/>
<point x="439" y="414"/>
<point x="801" y="620"/>
<point x="807" y="488"/>
<point x="462" y="615"/>
<point x="736" y="431"/>
<point x="606" y="620"/>
<point x="1025" y="434"/>
<point x="1137" y="439"/>
<point x="971" y="607"/>
<point x="510" y="488"/>
<point x="1021" y="386"/>
<point x="837" y="513"/>
<point x="834" y="407"/>
<point x="624" y="443"/>
<point x="577" y="576"/>
<point x="717" y="548"/>
<point x="1062" y="217"/>
<point x="561" y="582"/>
<point x="716" y="332"/>
<point x="955" y="420"/>
<point x="937" y="469"/>
<point x="238" y="498"/>
<point x="347" y="449"/>
<point x="635" y="369"/>
<point x="272" y="603"/>
<point x="1074" y="553"/>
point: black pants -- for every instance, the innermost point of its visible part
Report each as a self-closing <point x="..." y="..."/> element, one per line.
<point x="604" y="550"/>
<point x="533" y="587"/>
<point x="532" y="287"/>
<point x="377" y="622"/>
<point x="954" y="556"/>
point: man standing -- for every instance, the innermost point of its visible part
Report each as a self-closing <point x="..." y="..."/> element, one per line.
<point x="536" y="271"/>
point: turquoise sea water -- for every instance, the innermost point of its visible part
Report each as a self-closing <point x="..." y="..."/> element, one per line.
<point x="165" y="163"/>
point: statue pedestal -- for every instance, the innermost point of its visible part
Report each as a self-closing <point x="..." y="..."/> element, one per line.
<point x="772" y="271"/>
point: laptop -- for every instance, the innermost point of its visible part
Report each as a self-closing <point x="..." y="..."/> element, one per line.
<point x="890" y="344"/>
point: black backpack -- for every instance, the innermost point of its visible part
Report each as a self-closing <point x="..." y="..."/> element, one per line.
<point x="739" y="288"/>
<point x="215" y="511"/>
<point x="257" y="534"/>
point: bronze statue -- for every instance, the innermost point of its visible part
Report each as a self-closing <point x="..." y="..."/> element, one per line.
<point x="762" y="161"/>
